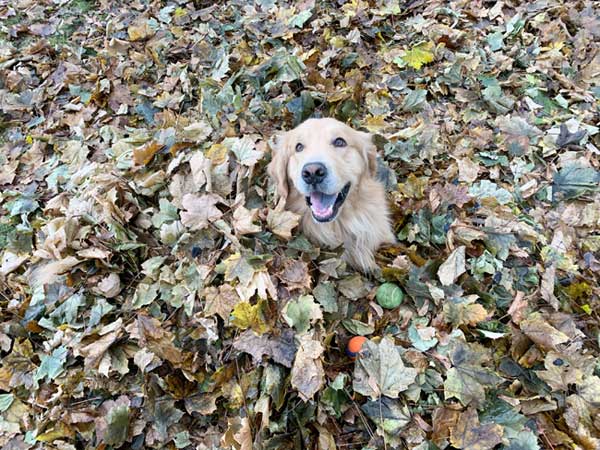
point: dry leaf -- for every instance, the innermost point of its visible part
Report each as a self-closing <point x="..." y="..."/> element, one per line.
<point x="281" y="223"/>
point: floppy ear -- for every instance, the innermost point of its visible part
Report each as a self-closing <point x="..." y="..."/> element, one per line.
<point x="369" y="151"/>
<point x="277" y="168"/>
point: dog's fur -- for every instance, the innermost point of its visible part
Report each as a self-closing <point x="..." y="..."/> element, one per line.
<point x="362" y="222"/>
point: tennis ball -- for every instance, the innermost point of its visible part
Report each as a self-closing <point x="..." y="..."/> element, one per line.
<point x="389" y="295"/>
<point x="354" y="345"/>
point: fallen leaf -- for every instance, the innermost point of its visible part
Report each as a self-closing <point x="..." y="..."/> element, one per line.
<point x="245" y="316"/>
<point x="468" y="379"/>
<point x="307" y="372"/>
<point x="302" y="313"/>
<point x="144" y="154"/>
<point x="379" y="370"/>
<point x="453" y="267"/>
<point x="281" y="349"/>
<point x="200" y="210"/>
<point x="542" y="333"/>
<point x="281" y="223"/>
<point x="468" y="434"/>
<point x="419" y="55"/>
<point x="464" y="311"/>
<point x="244" y="221"/>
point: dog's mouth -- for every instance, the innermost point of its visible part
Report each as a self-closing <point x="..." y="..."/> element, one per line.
<point x="325" y="207"/>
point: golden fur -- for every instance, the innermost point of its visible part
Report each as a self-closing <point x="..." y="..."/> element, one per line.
<point x="362" y="223"/>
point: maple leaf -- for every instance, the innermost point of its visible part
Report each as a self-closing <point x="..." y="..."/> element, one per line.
<point x="282" y="223"/>
<point x="468" y="434"/>
<point x="200" y="210"/>
<point x="307" y="372"/>
<point x="247" y="316"/>
<point x="381" y="371"/>
<point x="453" y="267"/>
<point x="419" y="55"/>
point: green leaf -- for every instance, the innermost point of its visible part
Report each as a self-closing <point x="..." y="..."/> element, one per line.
<point x="144" y="295"/>
<point x="165" y="415"/>
<point x="167" y="213"/>
<point x="422" y="337"/>
<point x="574" y="181"/>
<point x="334" y="398"/>
<point x="5" y="401"/>
<point x="182" y="439"/>
<point x="244" y="150"/>
<point x="390" y="416"/>
<point x="299" y="19"/>
<point x="302" y="313"/>
<point x="495" y="41"/>
<point x="326" y="295"/>
<point x="357" y="327"/>
<point x="118" y="425"/>
<point x="486" y="189"/>
<point x="52" y="365"/>
<point x="414" y="100"/>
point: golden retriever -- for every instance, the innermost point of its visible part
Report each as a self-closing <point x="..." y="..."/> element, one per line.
<point x="325" y="171"/>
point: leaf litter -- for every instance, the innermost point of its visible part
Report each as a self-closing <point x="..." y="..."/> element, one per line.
<point x="154" y="295"/>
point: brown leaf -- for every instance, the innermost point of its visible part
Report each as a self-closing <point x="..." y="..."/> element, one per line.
<point x="464" y="312"/>
<point x="220" y="301"/>
<point x="547" y="287"/>
<point x="281" y="349"/>
<point x="158" y="340"/>
<point x="444" y="420"/>
<point x="110" y="286"/>
<point x="200" y="210"/>
<point x="243" y="220"/>
<point x="295" y="274"/>
<point x="542" y="333"/>
<point x="308" y="375"/>
<point x="144" y="154"/>
<point x="518" y="307"/>
<point x="468" y="434"/>
<point x="453" y="267"/>
<point x="281" y="223"/>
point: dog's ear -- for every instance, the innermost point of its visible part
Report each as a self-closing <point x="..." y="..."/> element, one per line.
<point x="369" y="151"/>
<point x="277" y="168"/>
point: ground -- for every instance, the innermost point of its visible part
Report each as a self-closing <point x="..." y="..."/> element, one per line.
<point x="153" y="296"/>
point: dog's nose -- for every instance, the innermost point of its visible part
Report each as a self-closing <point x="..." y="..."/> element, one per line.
<point x="314" y="173"/>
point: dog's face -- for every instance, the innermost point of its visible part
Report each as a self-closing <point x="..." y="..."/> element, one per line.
<point x="324" y="160"/>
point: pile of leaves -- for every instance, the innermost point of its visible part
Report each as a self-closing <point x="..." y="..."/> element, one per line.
<point x="153" y="296"/>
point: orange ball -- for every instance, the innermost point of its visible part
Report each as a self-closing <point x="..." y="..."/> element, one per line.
<point x="354" y="345"/>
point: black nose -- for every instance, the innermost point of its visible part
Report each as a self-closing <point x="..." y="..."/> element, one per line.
<point x="314" y="173"/>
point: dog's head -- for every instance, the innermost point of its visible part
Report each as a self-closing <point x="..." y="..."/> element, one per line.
<point x="324" y="160"/>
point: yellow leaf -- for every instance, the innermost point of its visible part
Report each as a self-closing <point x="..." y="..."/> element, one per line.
<point x="140" y="31"/>
<point x="247" y="316"/>
<point x="143" y="155"/>
<point x="59" y="431"/>
<point x="217" y="153"/>
<point x="419" y="55"/>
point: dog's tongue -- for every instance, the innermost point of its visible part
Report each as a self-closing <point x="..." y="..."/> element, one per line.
<point x="322" y="204"/>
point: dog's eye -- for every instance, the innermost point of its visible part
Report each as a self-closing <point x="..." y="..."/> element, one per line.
<point x="299" y="147"/>
<point x="339" y="142"/>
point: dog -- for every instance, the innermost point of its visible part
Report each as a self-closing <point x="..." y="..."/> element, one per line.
<point x="326" y="172"/>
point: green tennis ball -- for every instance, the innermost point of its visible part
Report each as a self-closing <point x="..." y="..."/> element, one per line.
<point x="389" y="295"/>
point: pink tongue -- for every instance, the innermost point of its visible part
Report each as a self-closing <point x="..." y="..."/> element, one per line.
<point x="322" y="204"/>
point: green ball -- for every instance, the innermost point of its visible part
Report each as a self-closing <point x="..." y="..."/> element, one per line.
<point x="389" y="295"/>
